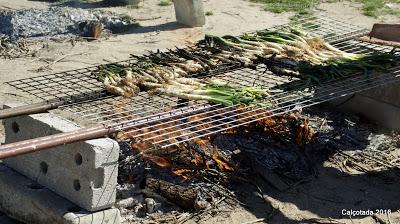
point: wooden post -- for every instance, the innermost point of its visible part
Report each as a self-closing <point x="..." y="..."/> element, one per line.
<point x="190" y="12"/>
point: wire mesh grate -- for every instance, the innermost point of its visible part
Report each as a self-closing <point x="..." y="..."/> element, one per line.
<point x="161" y="121"/>
<point x="331" y="30"/>
<point x="68" y="86"/>
<point x="79" y="85"/>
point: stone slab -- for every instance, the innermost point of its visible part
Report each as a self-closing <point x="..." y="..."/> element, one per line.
<point x="29" y="202"/>
<point x="83" y="172"/>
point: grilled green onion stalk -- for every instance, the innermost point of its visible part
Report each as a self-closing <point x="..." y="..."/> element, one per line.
<point x="290" y="52"/>
<point x="218" y="93"/>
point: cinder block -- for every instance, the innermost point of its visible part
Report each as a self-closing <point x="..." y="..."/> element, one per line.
<point x="83" y="172"/>
<point x="28" y="202"/>
<point x="190" y="12"/>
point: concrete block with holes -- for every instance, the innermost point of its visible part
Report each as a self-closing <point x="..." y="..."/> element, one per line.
<point x="84" y="172"/>
<point x="29" y="202"/>
<point x="190" y="12"/>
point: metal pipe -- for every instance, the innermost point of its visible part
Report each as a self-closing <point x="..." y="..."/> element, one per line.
<point x="29" y="109"/>
<point x="47" y="142"/>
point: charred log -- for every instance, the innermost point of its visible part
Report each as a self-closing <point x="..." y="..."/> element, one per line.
<point x="186" y="198"/>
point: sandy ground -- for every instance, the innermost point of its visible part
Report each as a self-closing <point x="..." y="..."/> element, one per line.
<point x="159" y="31"/>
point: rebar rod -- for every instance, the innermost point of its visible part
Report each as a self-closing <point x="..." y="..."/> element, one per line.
<point x="29" y="109"/>
<point x="42" y="143"/>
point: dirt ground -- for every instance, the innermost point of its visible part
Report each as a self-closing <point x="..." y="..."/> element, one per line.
<point x="320" y="198"/>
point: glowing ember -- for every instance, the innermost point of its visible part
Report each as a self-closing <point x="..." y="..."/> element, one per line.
<point x="221" y="162"/>
<point x="184" y="173"/>
<point x="200" y="154"/>
<point x="198" y="160"/>
<point x="141" y="145"/>
<point x="160" y="161"/>
<point x="304" y="133"/>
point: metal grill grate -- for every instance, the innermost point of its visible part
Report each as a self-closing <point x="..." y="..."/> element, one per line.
<point x="166" y="121"/>
<point x="79" y="85"/>
<point x="195" y="121"/>
<point x="110" y="110"/>
<point x="68" y="86"/>
<point x="330" y="29"/>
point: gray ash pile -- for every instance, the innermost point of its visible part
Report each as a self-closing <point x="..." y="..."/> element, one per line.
<point x="22" y="31"/>
<point x="56" y="21"/>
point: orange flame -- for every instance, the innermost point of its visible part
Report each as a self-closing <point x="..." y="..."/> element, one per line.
<point x="160" y="161"/>
<point x="277" y="125"/>
<point x="184" y="173"/>
<point x="198" y="160"/>
<point x="221" y="162"/>
<point x="304" y="133"/>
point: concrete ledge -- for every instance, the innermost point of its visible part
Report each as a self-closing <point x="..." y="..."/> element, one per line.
<point x="389" y="93"/>
<point x="385" y="114"/>
<point x="380" y="104"/>
<point x="83" y="172"/>
<point x="28" y="202"/>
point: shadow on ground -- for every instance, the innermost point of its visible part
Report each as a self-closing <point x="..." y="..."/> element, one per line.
<point x="326" y="191"/>
<point x="159" y="27"/>
<point x="83" y="5"/>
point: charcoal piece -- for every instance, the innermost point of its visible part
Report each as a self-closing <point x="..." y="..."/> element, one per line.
<point x="225" y="142"/>
<point x="286" y="160"/>
<point x="265" y="152"/>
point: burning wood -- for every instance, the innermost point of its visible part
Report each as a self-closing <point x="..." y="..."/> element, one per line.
<point x="271" y="148"/>
<point x="187" y="159"/>
<point x="304" y="133"/>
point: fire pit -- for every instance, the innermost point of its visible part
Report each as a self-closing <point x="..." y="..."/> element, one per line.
<point x="177" y="155"/>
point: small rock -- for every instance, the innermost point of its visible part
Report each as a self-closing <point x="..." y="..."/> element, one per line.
<point x="151" y="205"/>
<point x="124" y="211"/>
<point x="140" y="210"/>
<point x="128" y="190"/>
<point x="127" y="202"/>
<point x="200" y="205"/>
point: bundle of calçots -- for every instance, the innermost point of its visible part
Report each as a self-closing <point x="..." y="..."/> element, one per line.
<point x="130" y="79"/>
<point x="291" y="52"/>
<point x="295" y="53"/>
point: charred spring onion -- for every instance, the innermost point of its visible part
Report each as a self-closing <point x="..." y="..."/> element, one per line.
<point x="218" y="93"/>
<point x="291" y="52"/>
